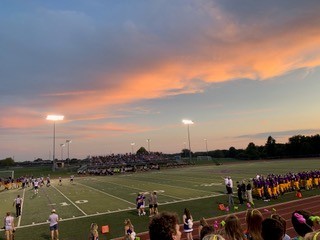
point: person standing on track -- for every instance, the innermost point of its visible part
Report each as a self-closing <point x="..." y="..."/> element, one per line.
<point x="53" y="225"/>
<point x="18" y="203"/>
<point x="187" y="223"/>
<point x="9" y="226"/>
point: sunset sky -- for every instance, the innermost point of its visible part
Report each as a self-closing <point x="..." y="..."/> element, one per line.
<point x="123" y="71"/>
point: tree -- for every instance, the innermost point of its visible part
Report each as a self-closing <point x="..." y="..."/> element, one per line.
<point x="232" y="152"/>
<point x="8" y="162"/>
<point x="142" y="151"/>
<point x="252" y="151"/>
<point x="270" y="147"/>
<point x="185" y="152"/>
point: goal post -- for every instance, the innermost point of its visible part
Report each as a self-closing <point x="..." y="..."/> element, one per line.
<point x="7" y="174"/>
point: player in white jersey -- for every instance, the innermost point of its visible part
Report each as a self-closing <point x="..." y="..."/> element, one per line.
<point x="18" y="203"/>
<point x="36" y="186"/>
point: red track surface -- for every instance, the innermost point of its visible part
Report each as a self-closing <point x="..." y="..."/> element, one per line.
<point x="311" y="204"/>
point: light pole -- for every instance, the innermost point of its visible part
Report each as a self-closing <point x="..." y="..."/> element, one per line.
<point x="68" y="141"/>
<point x="62" y="145"/>
<point x="188" y="122"/>
<point x="148" y="141"/>
<point x="54" y="118"/>
<point x="206" y="142"/>
<point x="132" y="145"/>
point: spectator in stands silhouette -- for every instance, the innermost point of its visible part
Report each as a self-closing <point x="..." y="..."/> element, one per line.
<point x="272" y="229"/>
<point x="254" y="219"/>
<point x="284" y="223"/>
<point x="164" y="226"/>
<point x="233" y="229"/>
<point x="301" y="223"/>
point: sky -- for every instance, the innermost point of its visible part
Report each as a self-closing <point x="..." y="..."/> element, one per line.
<point x="123" y="71"/>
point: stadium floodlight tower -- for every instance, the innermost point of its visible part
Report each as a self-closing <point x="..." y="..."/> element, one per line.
<point x="68" y="141"/>
<point x="62" y="145"/>
<point x="54" y="118"/>
<point x="188" y="123"/>
<point x="148" y="141"/>
<point x="132" y="145"/>
<point x="206" y="142"/>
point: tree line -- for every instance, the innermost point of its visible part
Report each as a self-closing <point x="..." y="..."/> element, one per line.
<point x="297" y="146"/>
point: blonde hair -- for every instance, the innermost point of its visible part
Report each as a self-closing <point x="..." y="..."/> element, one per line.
<point x="312" y="236"/>
<point x="203" y="222"/>
<point x="233" y="228"/>
<point x="213" y="237"/>
<point x="94" y="229"/>
<point x="127" y="222"/>
<point x="254" y="220"/>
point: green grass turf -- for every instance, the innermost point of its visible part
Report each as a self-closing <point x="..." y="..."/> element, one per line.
<point x="111" y="199"/>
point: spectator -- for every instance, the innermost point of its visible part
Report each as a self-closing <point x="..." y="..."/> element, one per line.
<point x="249" y="192"/>
<point x="155" y="203"/>
<point x="230" y="196"/>
<point x="284" y="223"/>
<point x="206" y="230"/>
<point x="213" y="237"/>
<point x="202" y="223"/>
<point x="164" y="226"/>
<point x="9" y="226"/>
<point x="187" y="223"/>
<point x="129" y="230"/>
<point x="94" y="234"/>
<point x="312" y="236"/>
<point x="272" y="229"/>
<point x="301" y="222"/>
<point x="239" y="191"/>
<point x="151" y="205"/>
<point x="233" y="229"/>
<point x="253" y="220"/>
<point x="53" y="223"/>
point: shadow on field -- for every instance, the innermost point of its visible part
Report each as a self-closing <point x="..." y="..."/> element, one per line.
<point x="45" y="236"/>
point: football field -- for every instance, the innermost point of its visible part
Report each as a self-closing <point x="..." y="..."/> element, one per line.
<point x="108" y="200"/>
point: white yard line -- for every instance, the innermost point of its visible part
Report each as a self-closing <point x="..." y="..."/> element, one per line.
<point x="106" y="193"/>
<point x="70" y="200"/>
<point x="19" y="221"/>
<point x="116" y="211"/>
<point x="136" y="188"/>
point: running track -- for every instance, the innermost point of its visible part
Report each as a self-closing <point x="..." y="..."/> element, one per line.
<point x="311" y="204"/>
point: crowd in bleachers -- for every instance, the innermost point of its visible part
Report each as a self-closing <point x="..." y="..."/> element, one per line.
<point x="120" y="163"/>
